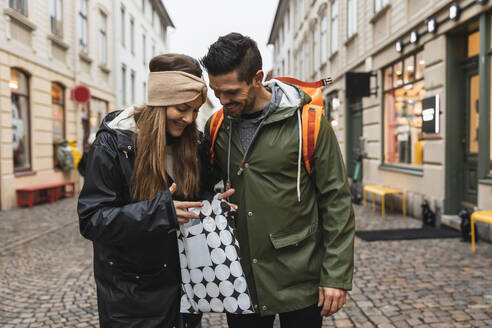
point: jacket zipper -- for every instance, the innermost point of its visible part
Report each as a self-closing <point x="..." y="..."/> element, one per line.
<point x="126" y="153"/>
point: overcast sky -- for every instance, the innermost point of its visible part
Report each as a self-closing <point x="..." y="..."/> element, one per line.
<point x="199" y="23"/>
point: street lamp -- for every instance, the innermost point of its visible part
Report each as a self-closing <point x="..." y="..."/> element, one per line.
<point x="454" y="11"/>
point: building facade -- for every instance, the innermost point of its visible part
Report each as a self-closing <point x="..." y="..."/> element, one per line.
<point x="47" y="48"/>
<point x="411" y="91"/>
<point x="140" y="33"/>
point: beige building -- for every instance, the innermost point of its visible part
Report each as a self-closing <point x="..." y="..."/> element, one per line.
<point x="47" y="48"/>
<point x="424" y="125"/>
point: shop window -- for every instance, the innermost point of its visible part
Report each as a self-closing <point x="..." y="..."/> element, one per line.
<point x="98" y="110"/>
<point x="473" y="44"/>
<point x="21" y="136"/>
<point x="402" y="113"/>
<point x="58" y="109"/>
<point x="332" y="106"/>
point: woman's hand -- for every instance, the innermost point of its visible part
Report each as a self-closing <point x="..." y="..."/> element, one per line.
<point x="226" y="195"/>
<point x="181" y="208"/>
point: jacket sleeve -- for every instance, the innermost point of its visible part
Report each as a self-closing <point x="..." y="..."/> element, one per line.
<point x="335" y="210"/>
<point x="105" y="217"/>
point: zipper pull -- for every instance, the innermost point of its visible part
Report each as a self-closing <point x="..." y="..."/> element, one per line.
<point x="126" y="153"/>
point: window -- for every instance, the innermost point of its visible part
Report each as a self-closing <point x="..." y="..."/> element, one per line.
<point x="334" y="26"/>
<point x="58" y="111"/>
<point x="83" y="29"/>
<point x="144" y="51"/>
<point x="132" y="85"/>
<point x="145" y="91"/>
<point x="21" y="136"/>
<point x="19" y="5"/>
<point x="98" y="110"/>
<point x="56" y="17"/>
<point x="143" y="6"/>
<point x="153" y="16"/>
<point x="403" y="94"/>
<point x="123" y="84"/>
<point x="163" y="32"/>
<point x="352" y="17"/>
<point x="132" y="35"/>
<point x="315" y="47"/>
<point x="332" y="105"/>
<point x="323" y="39"/>
<point x="123" y="27"/>
<point x="153" y="49"/>
<point x="103" y="51"/>
<point x="379" y="4"/>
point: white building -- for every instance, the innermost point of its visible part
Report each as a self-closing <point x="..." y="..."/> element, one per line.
<point x="140" y="33"/>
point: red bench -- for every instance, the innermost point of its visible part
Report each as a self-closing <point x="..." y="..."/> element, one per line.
<point x="50" y="192"/>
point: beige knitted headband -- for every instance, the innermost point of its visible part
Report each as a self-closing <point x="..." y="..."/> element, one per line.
<point x="174" y="87"/>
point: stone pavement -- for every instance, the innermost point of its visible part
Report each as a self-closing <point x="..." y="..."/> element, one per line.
<point x="46" y="276"/>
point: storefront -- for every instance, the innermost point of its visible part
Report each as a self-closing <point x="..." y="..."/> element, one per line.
<point x="37" y="114"/>
<point x="434" y="125"/>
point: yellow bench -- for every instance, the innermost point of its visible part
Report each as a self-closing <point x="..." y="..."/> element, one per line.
<point x="483" y="216"/>
<point x="382" y="192"/>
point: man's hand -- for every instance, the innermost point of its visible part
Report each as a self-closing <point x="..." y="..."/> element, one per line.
<point x="181" y="208"/>
<point x="331" y="300"/>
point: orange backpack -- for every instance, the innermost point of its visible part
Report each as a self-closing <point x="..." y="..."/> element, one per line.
<point x="311" y="118"/>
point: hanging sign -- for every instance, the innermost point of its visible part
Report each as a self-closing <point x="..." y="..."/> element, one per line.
<point x="430" y="114"/>
<point x="81" y="94"/>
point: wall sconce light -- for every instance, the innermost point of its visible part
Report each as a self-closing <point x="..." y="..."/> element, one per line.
<point x="481" y="2"/>
<point x="414" y="37"/>
<point x="399" y="46"/>
<point x="431" y="25"/>
<point x="454" y="11"/>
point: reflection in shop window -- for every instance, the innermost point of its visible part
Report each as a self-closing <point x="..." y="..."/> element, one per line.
<point x="58" y="109"/>
<point x="20" y="120"/>
<point x="332" y="106"/>
<point x="402" y="113"/>
<point x="98" y="110"/>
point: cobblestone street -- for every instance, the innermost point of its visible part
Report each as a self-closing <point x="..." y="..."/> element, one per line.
<point x="46" y="276"/>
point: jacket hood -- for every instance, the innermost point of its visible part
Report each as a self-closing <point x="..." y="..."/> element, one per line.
<point x="292" y="98"/>
<point x="117" y="123"/>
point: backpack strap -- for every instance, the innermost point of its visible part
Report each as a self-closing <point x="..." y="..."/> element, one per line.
<point x="311" y="121"/>
<point x="215" y="124"/>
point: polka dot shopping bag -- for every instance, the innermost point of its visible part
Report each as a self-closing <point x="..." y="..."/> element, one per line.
<point x="212" y="276"/>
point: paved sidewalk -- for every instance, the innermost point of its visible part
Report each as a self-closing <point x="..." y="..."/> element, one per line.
<point x="46" y="276"/>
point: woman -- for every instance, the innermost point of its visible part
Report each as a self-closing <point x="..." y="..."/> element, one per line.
<point x="125" y="206"/>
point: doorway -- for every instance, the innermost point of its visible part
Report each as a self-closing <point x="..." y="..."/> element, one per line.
<point x="462" y="118"/>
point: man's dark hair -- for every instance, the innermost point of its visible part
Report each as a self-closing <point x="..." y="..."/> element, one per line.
<point x="233" y="52"/>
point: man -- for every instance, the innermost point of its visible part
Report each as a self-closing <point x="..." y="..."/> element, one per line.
<point x="296" y="230"/>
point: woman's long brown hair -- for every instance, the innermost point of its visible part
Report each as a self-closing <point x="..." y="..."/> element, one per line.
<point x="149" y="173"/>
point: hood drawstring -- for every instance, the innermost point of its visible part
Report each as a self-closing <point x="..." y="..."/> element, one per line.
<point x="299" y="157"/>
<point x="228" y="182"/>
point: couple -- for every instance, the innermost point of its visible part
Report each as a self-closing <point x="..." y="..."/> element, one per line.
<point x="149" y="164"/>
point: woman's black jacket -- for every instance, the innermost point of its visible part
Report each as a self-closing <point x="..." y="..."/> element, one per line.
<point x="136" y="264"/>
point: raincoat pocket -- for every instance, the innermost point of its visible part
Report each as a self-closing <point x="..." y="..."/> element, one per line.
<point x="292" y="236"/>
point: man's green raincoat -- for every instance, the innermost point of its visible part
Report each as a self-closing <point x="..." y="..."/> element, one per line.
<point x="289" y="247"/>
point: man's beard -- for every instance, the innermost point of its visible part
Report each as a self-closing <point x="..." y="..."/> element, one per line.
<point x="250" y="102"/>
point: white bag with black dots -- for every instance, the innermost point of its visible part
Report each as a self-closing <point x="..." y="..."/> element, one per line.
<point x="212" y="277"/>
